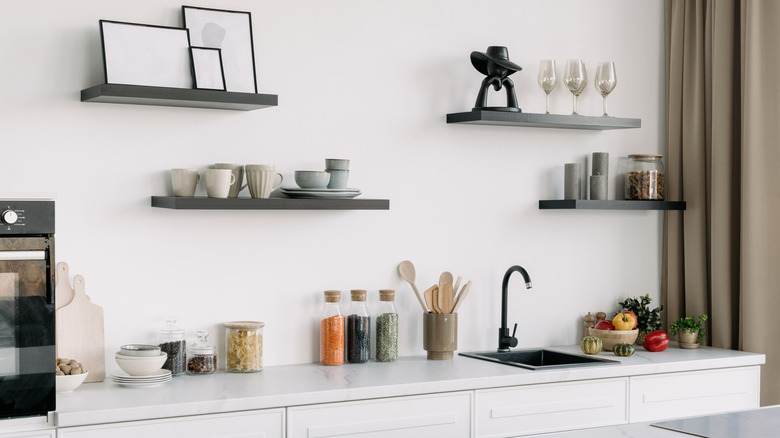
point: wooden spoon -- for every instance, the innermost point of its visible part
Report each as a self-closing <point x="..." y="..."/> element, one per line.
<point x="447" y="297"/>
<point x="461" y="296"/>
<point x="444" y="279"/>
<point x="429" y="296"/>
<point x="408" y="273"/>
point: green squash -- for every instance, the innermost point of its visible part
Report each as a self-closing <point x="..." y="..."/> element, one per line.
<point x="591" y="345"/>
<point x="624" y="350"/>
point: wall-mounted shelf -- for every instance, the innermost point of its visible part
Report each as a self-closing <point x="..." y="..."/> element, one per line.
<point x="204" y="203"/>
<point x="179" y="97"/>
<point x="571" y="204"/>
<point x="568" y="121"/>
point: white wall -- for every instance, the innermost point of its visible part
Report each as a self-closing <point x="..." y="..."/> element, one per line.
<point x="369" y="81"/>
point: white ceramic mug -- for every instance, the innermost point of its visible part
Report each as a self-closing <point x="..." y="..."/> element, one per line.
<point x="184" y="182"/>
<point x="238" y="172"/>
<point x="260" y="179"/>
<point x="218" y="182"/>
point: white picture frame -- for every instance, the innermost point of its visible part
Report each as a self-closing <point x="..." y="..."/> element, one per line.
<point x="207" y="72"/>
<point x="143" y="54"/>
<point x="230" y="31"/>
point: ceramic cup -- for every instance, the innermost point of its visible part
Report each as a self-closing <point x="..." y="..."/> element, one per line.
<point x="440" y="335"/>
<point x="238" y="172"/>
<point x="218" y="182"/>
<point x="260" y="179"/>
<point x="336" y="164"/>
<point x="184" y="182"/>
<point x="338" y="178"/>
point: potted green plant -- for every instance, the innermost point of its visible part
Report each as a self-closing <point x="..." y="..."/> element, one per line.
<point x="647" y="320"/>
<point x="691" y="330"/>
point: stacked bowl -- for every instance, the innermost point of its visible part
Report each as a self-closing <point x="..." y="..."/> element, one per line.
<point x="140" y="359"/>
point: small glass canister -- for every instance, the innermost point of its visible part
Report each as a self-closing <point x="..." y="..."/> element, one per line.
<point x="244" y="345"/>
<point x="170" y="338"/>
<point x="201" y="356"/>
<point x="358" y="328"/>
<point x="645" y="177"/>
<point x="332" y="330"/>
<point x="387" y="327"/>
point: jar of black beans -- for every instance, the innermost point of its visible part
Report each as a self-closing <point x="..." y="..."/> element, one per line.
<point x="171" y="341"/>
<point x="358" y="329"/>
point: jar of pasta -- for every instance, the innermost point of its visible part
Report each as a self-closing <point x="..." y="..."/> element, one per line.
<point x="244" y="346"/>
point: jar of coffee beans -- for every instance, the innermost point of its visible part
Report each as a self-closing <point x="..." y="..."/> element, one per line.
<point x="201" y="356"/>
<point x="171" y="341"/>
<point x="645" y="177"/>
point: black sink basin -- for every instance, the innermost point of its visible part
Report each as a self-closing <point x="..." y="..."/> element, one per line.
<point x="539" y="359"/>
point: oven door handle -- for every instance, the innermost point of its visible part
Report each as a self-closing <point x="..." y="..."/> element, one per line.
<point x="7" y="256"/>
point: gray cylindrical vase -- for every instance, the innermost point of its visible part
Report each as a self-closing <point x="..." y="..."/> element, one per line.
<point x="571" y="181"/>
<point x="598" y="187"/>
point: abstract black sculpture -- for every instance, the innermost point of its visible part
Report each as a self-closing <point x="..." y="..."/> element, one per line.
<point x="495" y="64"/>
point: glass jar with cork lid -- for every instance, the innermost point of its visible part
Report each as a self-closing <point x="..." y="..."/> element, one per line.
<point x="332" y="330"/>
<point x="645" y="177"/>
<point x="244" y="346"/>
<point x="387" y="327"/>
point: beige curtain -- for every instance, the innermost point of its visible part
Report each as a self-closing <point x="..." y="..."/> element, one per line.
<point x="722" y="255"/>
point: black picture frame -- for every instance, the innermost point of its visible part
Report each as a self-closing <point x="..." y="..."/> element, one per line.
<point x="145" y="54"/>
<point x="207" y="70"/>
<point x="230" y="31"/>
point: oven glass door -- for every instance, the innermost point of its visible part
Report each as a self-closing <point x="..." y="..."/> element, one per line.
<point x="27" y="351"/>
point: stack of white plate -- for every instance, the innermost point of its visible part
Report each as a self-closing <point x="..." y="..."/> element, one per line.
<point x="321" y="193"/>
<point x="157" y="378"/>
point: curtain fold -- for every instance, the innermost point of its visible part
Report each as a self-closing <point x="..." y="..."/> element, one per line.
<point x="721" y="255"/>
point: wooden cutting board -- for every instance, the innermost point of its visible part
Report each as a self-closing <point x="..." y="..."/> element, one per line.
<point x="63" y="292"/>
<point x="80" y="333"/>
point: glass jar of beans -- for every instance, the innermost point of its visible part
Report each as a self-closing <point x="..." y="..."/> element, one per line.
<point x="201" y="356"/>
<point x="170" y="338"/>
<point x="645" y="177"/>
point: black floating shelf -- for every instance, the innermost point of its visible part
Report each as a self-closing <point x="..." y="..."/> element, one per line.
<point x="179" y="97"/>
<point x="571" y="204"/>
<point x="204" y="203"/>
<point x="505" y="118"/>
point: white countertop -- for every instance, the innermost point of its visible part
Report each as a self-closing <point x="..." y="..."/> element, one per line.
<point x="293" y="385"/>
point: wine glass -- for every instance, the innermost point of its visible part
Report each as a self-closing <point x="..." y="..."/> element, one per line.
<point x="575" y="78"/>
<point x="605" y="81"/>
<point x="548" y="80"/>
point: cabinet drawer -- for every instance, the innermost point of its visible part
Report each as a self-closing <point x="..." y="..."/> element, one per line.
<point x="255" y="424"/>
<point x="31" y="434"/>
<point x="693" y="393"/>
<point x="525" y="410"/>
<point x="439" y="415"/>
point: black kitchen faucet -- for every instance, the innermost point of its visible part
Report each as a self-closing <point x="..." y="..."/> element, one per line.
<point x="505" y="342"/>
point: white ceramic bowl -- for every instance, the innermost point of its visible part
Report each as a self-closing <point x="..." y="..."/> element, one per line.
<point x="138" y="366"/>
<point x="144" y="350"/>
<point x="312" y="179"/>
<point x="70" y="382"/>
<point x="119" y="355"/>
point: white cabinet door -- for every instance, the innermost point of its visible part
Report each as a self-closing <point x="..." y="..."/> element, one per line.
<point x="691" y="393"/>
<point x="440" y="415"/>
<point x="49" y="433"/>
<point x="526" y="410"/>
<point x="255" y="424"/>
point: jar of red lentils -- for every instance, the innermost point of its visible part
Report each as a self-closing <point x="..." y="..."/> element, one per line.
<point x="332" y="330"/>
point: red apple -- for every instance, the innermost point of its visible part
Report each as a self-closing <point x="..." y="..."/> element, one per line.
<point x="604" y="325"/>
<point x="636" y="320"/>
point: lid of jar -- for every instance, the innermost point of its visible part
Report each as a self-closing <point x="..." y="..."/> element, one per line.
<point x="244" y="324"/>
<point x="358" y="294"/>
<point x="644" y="156"/>
<point x="202" y="346"/>
<point x="170" y="327"/>
<point x="332" y="296"/>
<point x="386" y="295"/>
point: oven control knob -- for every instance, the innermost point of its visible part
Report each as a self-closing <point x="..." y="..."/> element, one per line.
<point x="9" y="217"/>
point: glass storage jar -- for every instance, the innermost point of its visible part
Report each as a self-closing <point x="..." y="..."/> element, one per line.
<point x="358" y="328"/>
<point x="244" y="346"/>
<point x="645" y="177"/>
<point x="332" y="330"/>
<point x="201" y="356"/>
<point x="170" y="338"/>
<point x="387" y="327"/>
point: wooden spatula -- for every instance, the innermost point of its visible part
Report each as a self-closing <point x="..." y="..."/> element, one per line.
<point x="429" y="297"/>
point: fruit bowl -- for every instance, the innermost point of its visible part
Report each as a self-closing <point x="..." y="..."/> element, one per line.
<point x="70" y="382"/>
<point x="610" y="338"/>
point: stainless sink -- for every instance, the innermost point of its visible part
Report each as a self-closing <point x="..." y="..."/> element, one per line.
<point x="539" y="359"/>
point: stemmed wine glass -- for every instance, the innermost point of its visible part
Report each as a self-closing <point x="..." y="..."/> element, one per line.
<point x="575" y="78"/>
<point x="548" y="80"/>
<point x="605" y="81"/>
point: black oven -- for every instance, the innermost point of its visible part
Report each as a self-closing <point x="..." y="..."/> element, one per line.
<point x="27" y="348"/>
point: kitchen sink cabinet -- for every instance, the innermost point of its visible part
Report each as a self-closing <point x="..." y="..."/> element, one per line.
<point x="542" y="408"/>
<point x="692" y="393"/>
<point x="255" y="424"/>
<point x="438" y="415"/>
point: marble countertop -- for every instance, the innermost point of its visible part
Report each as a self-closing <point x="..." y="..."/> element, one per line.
<point x="293" y="385"/>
